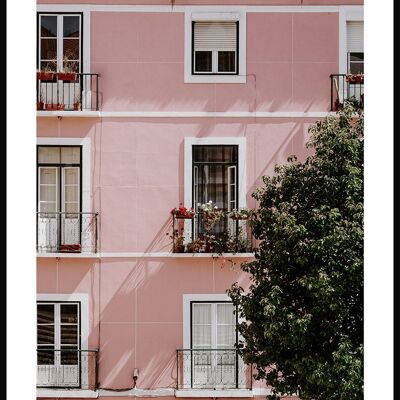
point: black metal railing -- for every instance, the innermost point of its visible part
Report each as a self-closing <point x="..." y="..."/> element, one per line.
<point x="198" y="235"/>
<point x="67" y="368"/>
<point x="212" y="369"/>
<point x="347" y="88"/>
<point x="81" y="94"/>
<point x="67" y="232"/>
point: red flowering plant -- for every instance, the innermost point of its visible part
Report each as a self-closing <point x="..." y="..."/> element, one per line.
<point x="182" y="212"/>
<point x="355" y="78"/>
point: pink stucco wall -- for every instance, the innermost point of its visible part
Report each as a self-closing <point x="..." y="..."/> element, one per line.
<point x="137" y="166"/>
<point x="141" y="68"/>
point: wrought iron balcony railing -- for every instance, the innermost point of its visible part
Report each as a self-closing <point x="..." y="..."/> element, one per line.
<point x="347" y="88"/>
<point x="67" y="232"/>
<point x="197" y="235"/>
<point x="212" y="369"/>
<point x="80" y="94"/>
<point x="67" y="368"/>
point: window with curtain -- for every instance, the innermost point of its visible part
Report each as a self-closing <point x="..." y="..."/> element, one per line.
<point x="213" y="337"/>
<point x="215" y="47"/>
<point x="58" y="180"/>
<point x="215" y="177"/>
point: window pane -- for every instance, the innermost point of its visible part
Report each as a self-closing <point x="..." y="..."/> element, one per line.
<point x="72" y="208"/>
<point x="45" y="313"/>
<point x="69" y="356"/>
<point x="71" y="194"/>
<point x="225" y="314"/>
<point x="356" y="56"/>
<point x="48" y="49"/>
<point x="71" y="26"/>
<point x="48" y="208"/>
<point x="226" y="336"/>
<point x="226" y="61"/>
<point x="70" y="155"/>
<point x="69" y="313"/>
<point x="226" y="154"/>
<point x="71" y="176"/>
<point x="48" y="66"/>
<point x="45" y="357"/>
<point x="201" y="313"/>
<point x="201" y="336"/>
<point x="49" y="155"/>
<point x="48" y="26"/>
<point x="45" y="334"/>
<point x="47" y="193"/>
<point x="203" y="61"/>
<point x="69" y="334"/>
<point x="356" y="68"/>
<point x="71" y="49"/>
<point x="48" y="176"/>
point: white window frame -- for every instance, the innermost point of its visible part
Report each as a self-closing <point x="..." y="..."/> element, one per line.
<point x="83" y="299"/>
<point x="60" y="38"/>
<point x="85" y="33"/>
<point x="348" y="13"/>
<point x="188" y="157"/>
<point x="210" y="14"/>
<point x="214" y="62"/>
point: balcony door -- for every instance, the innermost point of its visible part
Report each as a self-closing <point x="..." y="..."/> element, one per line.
<point x="59" y="189"/>
<point x="58" y="345"/>
<point x="59" y="50"/>
<point x="214" y="363"/>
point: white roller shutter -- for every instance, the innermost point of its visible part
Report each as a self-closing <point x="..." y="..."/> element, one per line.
<point x="355" y="37"/>
<point x="215" y="36"/>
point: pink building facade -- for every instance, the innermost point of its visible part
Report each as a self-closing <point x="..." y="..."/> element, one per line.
<point x="171" y="104"/>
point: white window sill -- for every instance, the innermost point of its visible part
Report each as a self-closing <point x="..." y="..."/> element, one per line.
<point x="213" y="393"/>
<point x="68" y="393"/>
<point x="215" y="78"/>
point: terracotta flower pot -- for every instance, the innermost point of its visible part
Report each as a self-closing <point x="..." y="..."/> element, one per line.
<point x="40" y="105"/>
<point x="45" y="76"/>
<point x="66" y="76"/>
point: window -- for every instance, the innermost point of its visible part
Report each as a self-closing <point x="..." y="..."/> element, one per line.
<point x="59" y="196"/>
<point x="215" y="47"/>
<point x="355" y="47"/>
<point x="58" y="344"/>
<point x="214" y="362"/>
<point x="215" y="177"/>
<point x="60" y="41"/>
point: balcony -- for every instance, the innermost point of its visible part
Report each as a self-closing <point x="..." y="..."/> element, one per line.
<point x="196" y="234"/>
<point x="61" y="232"/>
<point x="347" y="88"/>
<point x="67" y="369"/>
<point x="212" y="369"/>
<point x="79" y="93"/>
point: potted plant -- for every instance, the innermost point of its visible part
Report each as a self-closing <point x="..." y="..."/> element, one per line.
<point x="77" y="102"/>
<point x="46" y="74"/>
<point x="241" y="214"/>
<point x="355" y="78"/>
<point x="178" y="245"/>
<point x="182" y="212"/>
<point x="211" y="213"/>
<point x="68" y="73"/>
<point x="55" y="106"/>
<point x="195" y="246"/>
<point x="40" y="103"/>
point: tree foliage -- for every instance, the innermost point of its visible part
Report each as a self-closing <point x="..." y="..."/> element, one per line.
<point x="304" y="309"/>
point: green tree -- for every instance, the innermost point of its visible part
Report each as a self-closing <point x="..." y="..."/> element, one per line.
<point x="304" y="309"/>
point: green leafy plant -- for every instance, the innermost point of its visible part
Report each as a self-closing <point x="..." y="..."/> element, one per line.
<point x="304" y="309"/>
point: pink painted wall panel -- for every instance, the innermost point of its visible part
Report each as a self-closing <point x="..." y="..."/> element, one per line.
<point x="117" y="355"/>
<point x="274" y="35"/>
<point x="315" y="37"/>
<point x="119" y="280"/>
<point x="142" y="69"/>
